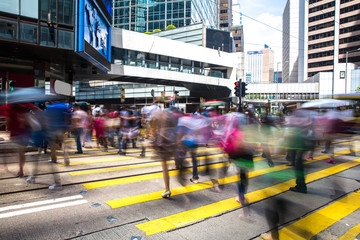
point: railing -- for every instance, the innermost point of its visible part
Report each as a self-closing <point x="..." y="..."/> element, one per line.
<point x="168" y="67"/>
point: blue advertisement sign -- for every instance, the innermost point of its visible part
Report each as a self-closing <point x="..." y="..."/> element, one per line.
<point x="93" y="38"/>
<point x="254" y="52"/>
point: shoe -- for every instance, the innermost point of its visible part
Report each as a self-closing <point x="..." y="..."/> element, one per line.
<point x="142" y="155"/>
<point x="324" y="151"/>
<point x="331" y="160"/>
<point x="194" y="180"/>
<point x="55" y="187"/>
<point x="51" y="161"/>
<point x="78" y="152"/>
<point x="271" y="163"/>
<point x="300" y="190"/>
<point x="308" y="156"/>
<point x="267" y="236"/>
<point x="31" y="179"/>
<point x="166" y="194"/>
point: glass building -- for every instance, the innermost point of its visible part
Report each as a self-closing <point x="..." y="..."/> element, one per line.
<point x="147" y="15"/>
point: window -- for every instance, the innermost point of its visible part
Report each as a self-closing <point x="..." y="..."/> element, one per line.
<point x="8" y="29"/>
<point x="66" y="39"/>
<point x="28" y="33"/>
<point x="29" y="8"/>
<point x="66" y="12"/>
<point x="48" y="10"/>
<point x="47" y="36"/>
<point x="10" y="6"/>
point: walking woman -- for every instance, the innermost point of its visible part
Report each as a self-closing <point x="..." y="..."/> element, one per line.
<point x="164" y="142"/>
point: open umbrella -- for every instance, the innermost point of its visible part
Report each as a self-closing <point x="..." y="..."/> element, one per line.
<point x="23" y="95"/>
<point x="212" y="103"/>
<point x="326" y="103"/>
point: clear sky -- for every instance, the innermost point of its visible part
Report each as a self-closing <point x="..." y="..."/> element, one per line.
<point x="257" y="34"/>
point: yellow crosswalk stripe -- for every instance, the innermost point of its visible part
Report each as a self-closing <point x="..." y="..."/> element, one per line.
<point x="122" y="158"/>
<point x="201" y="186"/>
<point x="187" y="217"/>
<point x="316" y="222"/>
<point x="352" y="233"/>
<point x="132" y="166"/>
<point x="145" y="177"/>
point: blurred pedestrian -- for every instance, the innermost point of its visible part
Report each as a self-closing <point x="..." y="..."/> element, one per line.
<point x="100" y="131"/>
<point x="79" y="119"/>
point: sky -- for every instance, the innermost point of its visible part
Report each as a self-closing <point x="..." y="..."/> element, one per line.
<point x="257" y="34"/>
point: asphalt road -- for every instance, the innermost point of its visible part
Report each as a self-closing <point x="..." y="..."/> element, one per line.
<point x="109" y="196"/>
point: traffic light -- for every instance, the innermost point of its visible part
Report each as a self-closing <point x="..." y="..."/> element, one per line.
<point x="243" y="89"/>
<point x="12" y="85"/>
<point x="237" y="89"/>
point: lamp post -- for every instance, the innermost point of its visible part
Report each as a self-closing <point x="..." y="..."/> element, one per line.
<point x="277" y="80"/>
<point x="347" y="54"/>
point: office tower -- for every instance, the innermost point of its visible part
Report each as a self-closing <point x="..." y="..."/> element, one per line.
<point x="260" y="66"/>
<point x="325" y="30"/>
<point x="226" y="20"/>
<point x="238" y="35"/>
<point x="147" y="15"/>
<point x="294" y="59"/>
<point x="334" y="29"/>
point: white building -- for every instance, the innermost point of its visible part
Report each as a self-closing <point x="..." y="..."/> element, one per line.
<point x="294" y="65"/>
<point x="254" y="66"/>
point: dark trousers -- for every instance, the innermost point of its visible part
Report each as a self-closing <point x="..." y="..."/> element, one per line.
<point x="77" y="133"/>
<point x="296" y="157"/>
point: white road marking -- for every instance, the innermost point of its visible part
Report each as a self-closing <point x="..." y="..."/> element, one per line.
<point x="43" y="208"/>
<point x="33" y="204"/>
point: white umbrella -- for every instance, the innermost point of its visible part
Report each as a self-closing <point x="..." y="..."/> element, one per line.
<point x="326" y="103"/>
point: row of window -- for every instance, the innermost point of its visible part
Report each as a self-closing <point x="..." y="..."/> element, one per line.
<point x="57" y="11"/>
<point x="322" y="7"/>
<point x="350" y="39"/>
<point x="321" y="64"/>
<point x="321" y="54"/>
<point x="322" y="16"/>
<point x="141" y="27"/>
<point x="29" y="33"/>
<point x="350" y="19"/>
<point x="350" y="8"/>
<point x="321" y="45"/>
<point x="321" y="35"/>
<point x="321" y="26"/>
<point x="224" y="11"/>
<point x="348" y="49"/>
<point x="345" y="1"/>
<point x="350" y="29"/>
<point x="314" y="1"/>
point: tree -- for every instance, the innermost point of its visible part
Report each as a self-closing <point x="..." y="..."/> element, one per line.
<point x="170" y="27"/>
<point x="358" y="88"/>
<point x="147" y="32"/>
<point x="156" y="30"/>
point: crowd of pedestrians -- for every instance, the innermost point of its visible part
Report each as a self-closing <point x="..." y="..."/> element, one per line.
<point x="173" y="134"/>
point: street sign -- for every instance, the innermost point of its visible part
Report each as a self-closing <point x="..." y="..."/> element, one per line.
<point x="122" y="96"/>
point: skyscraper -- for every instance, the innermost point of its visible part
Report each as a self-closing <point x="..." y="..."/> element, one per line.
<point x="316" y="36"/>
<point x="260" y="66"/>
<point x="226" y="19"/>
<point x="147" y="15"/>
<point x="238" y="35"/>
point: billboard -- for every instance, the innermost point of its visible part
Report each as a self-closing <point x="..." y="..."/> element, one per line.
<point x="93" y="33"/>
<point x="254" y="52"/>
<point x="217" y="39"/>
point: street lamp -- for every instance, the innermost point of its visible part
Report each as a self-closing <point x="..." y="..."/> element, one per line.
<point x="277" y="80"/>
<point x="347" y="54"/>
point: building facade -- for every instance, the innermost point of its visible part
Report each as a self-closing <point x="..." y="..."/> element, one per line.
<point x="226" y="16"/>
<point x="147" y="15"/>
<point x="45" y="41"/>
<point x="294" y="59"/>
<point x="260" y="66"/>
<point x="322" y="32"/>
<point x="238" y="35"/>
